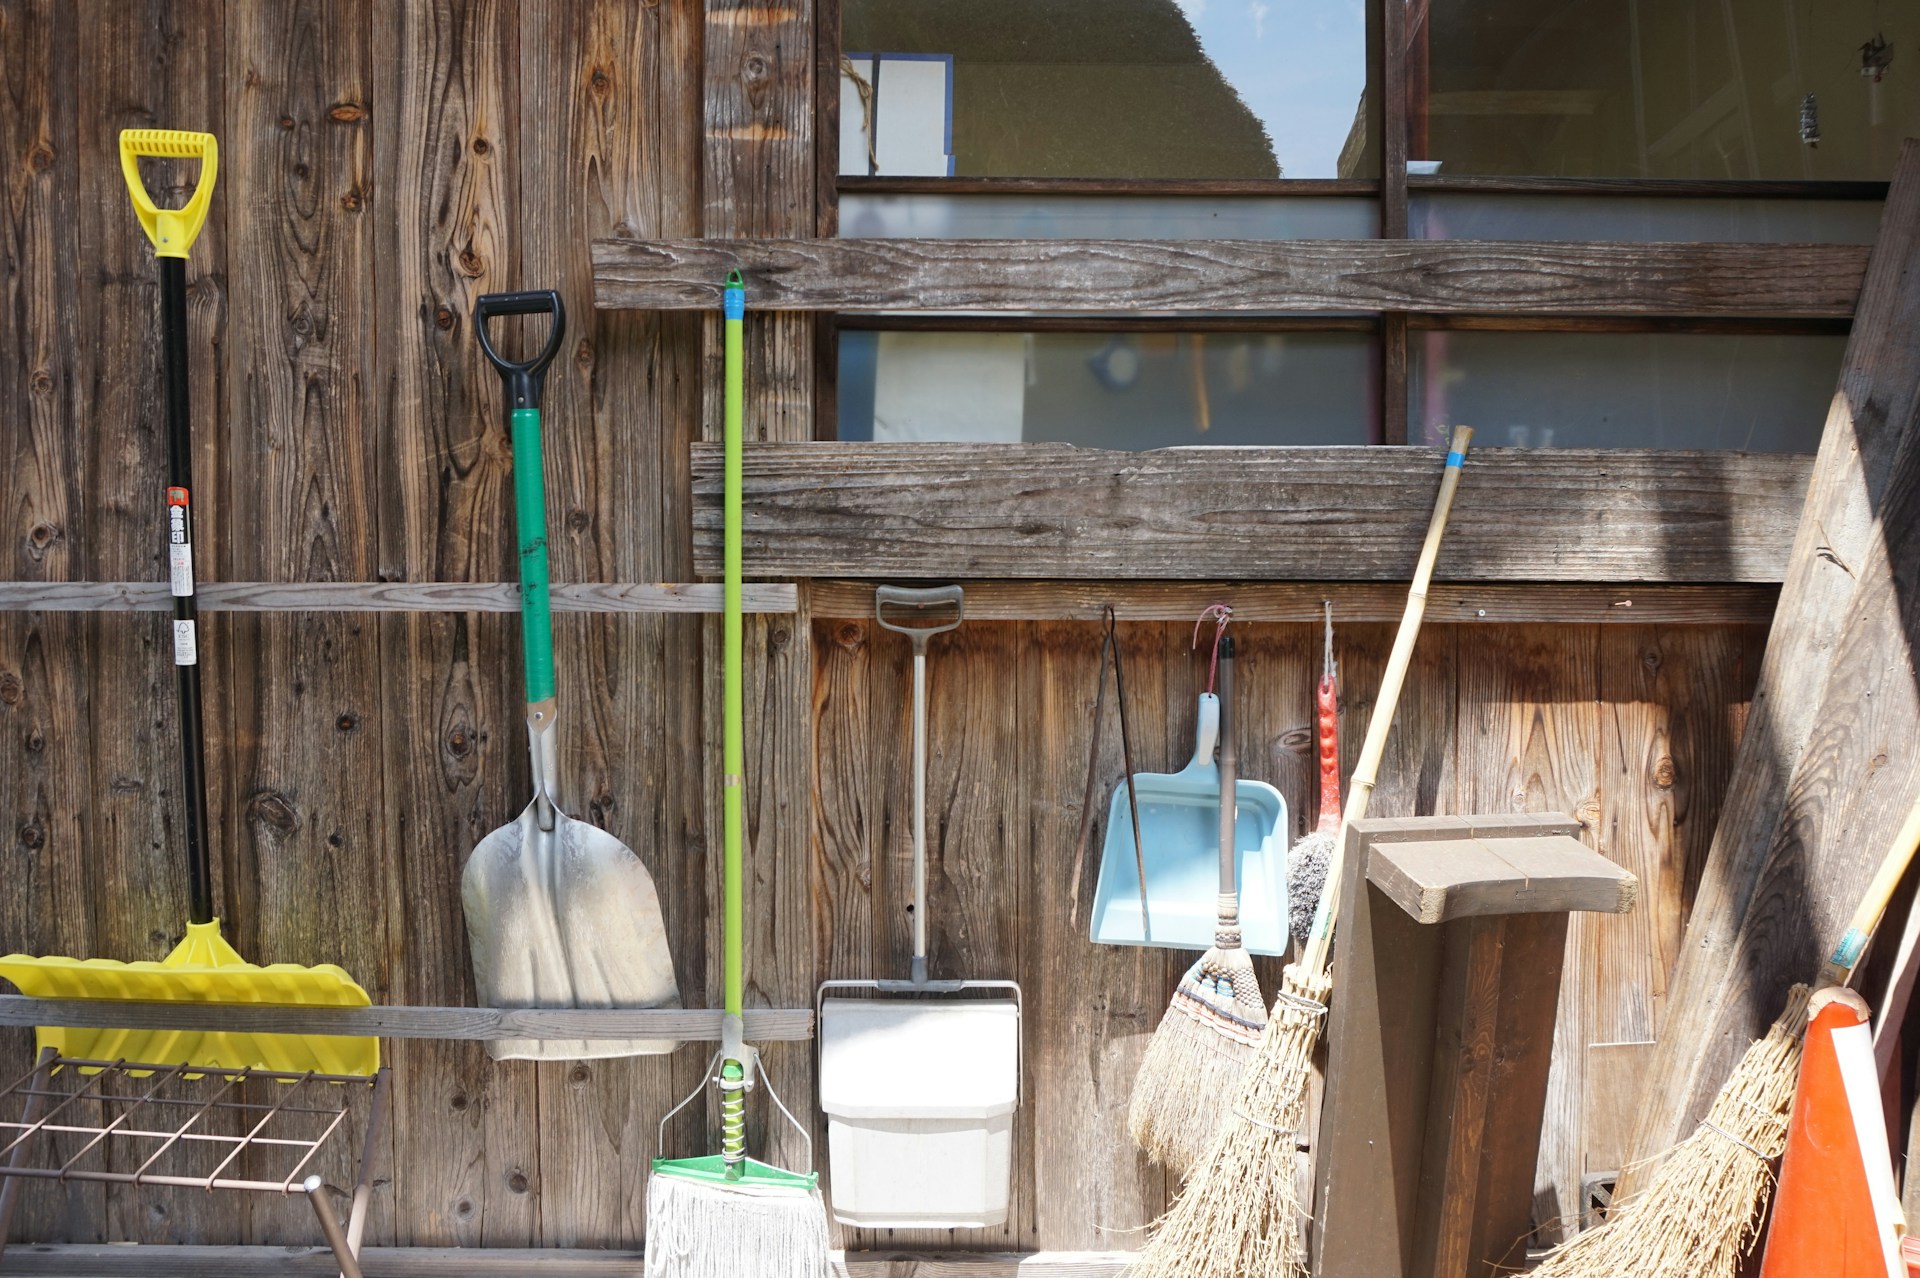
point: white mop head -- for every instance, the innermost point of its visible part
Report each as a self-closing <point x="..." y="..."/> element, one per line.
<point x="698" y="1229"/>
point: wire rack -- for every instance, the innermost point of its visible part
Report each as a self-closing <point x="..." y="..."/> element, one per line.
<point x="133" y="1123"/>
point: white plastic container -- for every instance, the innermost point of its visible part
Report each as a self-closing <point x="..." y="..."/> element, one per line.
<point x="919" y="1097"/>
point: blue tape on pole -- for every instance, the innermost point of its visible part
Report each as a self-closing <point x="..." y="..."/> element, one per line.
<point x="1454" y="459"/>
<point x="1847" y="953"/>
<point x="734" y="303"/>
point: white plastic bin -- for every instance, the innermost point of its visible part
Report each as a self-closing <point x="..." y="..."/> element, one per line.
<point x="919" y="1097"/>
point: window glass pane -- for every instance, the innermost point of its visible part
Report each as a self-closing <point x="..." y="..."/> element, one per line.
<point x="1748" y="392"/>
<point x="1118" y="217"/>
<point x="1782" y="89"/>
<point x="1108" y="390"/>
<point x="1552" y="217"/>
<point x="1104" y="88"/>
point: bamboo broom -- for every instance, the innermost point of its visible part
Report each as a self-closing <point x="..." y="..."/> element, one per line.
<point x="1239" y="1214"/>
<point x="1701" y="1214"/>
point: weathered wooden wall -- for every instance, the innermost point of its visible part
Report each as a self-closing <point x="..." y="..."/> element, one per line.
<point x="384" y="164"/>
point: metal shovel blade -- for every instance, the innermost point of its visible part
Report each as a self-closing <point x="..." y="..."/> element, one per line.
<point x="565" y="918"/>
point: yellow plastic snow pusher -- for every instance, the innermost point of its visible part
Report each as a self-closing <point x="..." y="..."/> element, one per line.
<point x="203" y="968"/>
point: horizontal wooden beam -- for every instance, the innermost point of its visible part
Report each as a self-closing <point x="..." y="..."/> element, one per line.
<point x="1357" y="602"/>
<point x="382" y="596"/>
<point x="956" y="511"/>
<point x="763" y="1025"/>
<point x="1448" y="276"/>
<point x="112" y="1260"/>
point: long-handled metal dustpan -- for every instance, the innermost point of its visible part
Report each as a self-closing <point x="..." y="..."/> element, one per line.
<point x="1180" y="847"/>
<point x="559" y="912"/>
<point x="203" y="968"/>
<point x="919" y="1092"/>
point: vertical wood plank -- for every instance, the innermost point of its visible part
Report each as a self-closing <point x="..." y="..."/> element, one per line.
<point x="304" y="846"/>
<point x="1528" y="742"/>
<point x="466" y="1152"/>
<point x="601" y="84"/>
<point x="46" y="833"/>
<point x="149" y="65"/>
<point x="757" y="179"/>
<point x="1091" y="1008"/>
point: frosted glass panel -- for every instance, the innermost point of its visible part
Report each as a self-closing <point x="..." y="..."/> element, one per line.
<point x="1131" y="217"/>
<point x="1108" y="390"/>
<point x="1777" y="89"/>
<point x="1751" y="393"/>
<point x="1536" y="217"/>
<point x="1115" y="88"/>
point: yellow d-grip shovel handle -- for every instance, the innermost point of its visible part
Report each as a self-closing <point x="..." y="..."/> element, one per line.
<point x="171" y="230"/>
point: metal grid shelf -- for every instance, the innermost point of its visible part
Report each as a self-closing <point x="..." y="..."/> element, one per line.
<point x="136" y="1123"/>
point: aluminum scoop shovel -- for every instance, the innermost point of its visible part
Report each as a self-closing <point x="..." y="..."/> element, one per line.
<point x="559" y="912"/>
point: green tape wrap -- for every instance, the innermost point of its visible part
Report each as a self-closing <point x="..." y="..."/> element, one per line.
<point x="530" y="515"/>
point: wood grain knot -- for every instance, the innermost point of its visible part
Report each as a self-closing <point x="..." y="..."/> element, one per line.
<point x="580" y="1074"/>
<point x="578" y="520"/>
<point x="600" y="80"/>
<point x="40" y="159"/>
<point x="41" y="382"/>
<point x="270" y="808"/>
<point x="443" y="318"/>
<point x="351" y="201"/>
<point x="35" y="741"/>
<point x="517" y="1181"/>
<point x="1663" y="772"/>
<point x="32" y="836"/>
<point x="472" y="264"/>
<point x="347" y="112"/>
<point x="12" y="687"/>
<point x="460" y="742"/>
<point x="347" y="722"/>
<point x="285" y="122"/>
<point x="458" y="1102"/>
<point x="464" y="1207"/>
<point x="336" y="840"/>
<point x="481" y="146"/>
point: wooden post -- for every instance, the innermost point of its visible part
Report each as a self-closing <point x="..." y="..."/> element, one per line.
<point x="1832" y="746"/>
<point x="1442" y="1030"/>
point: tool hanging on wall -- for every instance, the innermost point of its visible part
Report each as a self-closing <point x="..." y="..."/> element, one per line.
<point x="560" y="913"/>
<point x="1175" y="851"/>
<point x="1237" y="1214"/>
<point x="1109" y="655"/>
<point x="1701" y="1214"/>
<point x="728" y="1215"/>
<point x="1205" y="1041"/>
<point x="203" y="968"/>
<point x="1308" y="859"/>
<point x="919" y="1092"/>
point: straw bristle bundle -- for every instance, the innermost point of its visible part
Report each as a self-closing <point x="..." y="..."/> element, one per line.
<point x="696" y="1229"/>
<point x="1197" y="1058"/>
<point x="1701" y="1214"/>
<point x="1307" y="865"/>
<point x="1239" y="1215"/>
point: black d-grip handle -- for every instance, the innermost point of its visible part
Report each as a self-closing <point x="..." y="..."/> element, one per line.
<point x="523" y="379"/>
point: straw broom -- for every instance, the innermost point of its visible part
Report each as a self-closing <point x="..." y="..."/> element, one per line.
<point x="1205" y="1042"/>
<point x="1239" y="1215"/>
<point x="1701" y="1214"/>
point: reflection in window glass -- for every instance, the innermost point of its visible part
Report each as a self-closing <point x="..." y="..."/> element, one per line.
<point x="1786" y="89"/>
<point x="1104" y="88"/>
<point x="1111" y="217"/>
<point x="1611" y="217"/>
<point x="1108" y="390"/>
<point x="1747" y="392"/>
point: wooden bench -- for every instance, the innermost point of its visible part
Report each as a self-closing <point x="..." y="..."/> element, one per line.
<point x="1446" y="986"/>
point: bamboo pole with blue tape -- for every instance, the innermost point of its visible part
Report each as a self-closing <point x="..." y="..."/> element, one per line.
<point x="727" y="1215"/>
<point x="1239" y="1213"/>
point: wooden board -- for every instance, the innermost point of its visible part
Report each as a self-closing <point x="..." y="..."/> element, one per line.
<point x="1829" y="759"/>
<point x="1441" y="880"/>
<point x="1486" y="603"/>
<point x="1233" y="275"/>
<point x="1054" y="510"/>
<point x="379" y="596"/>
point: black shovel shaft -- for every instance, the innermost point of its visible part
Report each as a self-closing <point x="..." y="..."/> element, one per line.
<point x="186" y="667"/>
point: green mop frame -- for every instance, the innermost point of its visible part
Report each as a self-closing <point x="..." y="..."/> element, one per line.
<point x="737" y="1060"/>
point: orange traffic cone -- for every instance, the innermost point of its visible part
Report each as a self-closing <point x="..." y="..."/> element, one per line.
<point x="1837" y="1214"/>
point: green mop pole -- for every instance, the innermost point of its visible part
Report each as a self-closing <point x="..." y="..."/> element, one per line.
<point x="733" y="1080"/>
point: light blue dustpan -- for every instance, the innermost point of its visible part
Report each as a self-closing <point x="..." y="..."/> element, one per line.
<point x="1180" y="833"/>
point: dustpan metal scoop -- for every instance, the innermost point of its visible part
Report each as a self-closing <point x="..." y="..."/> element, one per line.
<point x="560" y="913"/>
<point x="203" y="967"/>
<point x="1179" y="813"/>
